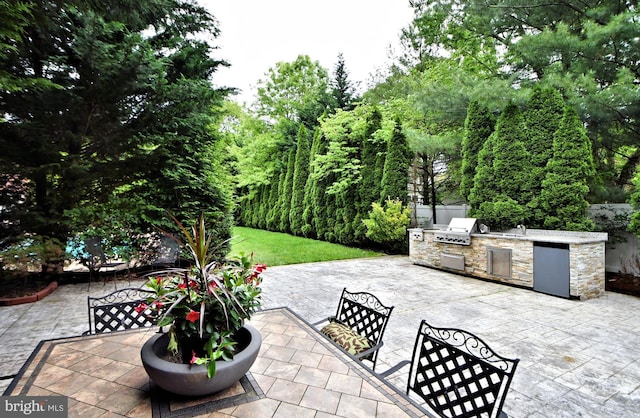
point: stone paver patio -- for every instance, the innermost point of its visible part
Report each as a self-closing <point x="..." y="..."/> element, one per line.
<point x="578" y="358"/>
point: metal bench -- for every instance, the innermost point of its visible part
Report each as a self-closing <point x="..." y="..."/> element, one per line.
<point x="117" y="311"/>
<point x="457" y="374"/>
<point x="364" y="315"/>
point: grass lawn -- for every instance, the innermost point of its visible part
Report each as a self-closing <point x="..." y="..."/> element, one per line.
<point x="277" y="249"/>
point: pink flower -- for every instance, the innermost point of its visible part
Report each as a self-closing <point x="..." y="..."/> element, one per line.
<point x="194" y="358"/>
<point x="141" y="308"/>
<point x="193" y="316"/>
<point x="212" y="287"/>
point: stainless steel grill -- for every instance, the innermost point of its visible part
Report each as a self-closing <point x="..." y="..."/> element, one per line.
<point x="458" y="231"/>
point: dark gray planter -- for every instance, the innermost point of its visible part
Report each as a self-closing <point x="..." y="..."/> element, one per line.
<point x="183" y="379"/>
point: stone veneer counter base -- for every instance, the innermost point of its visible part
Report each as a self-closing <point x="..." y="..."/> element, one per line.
<point x="586" y="257"/>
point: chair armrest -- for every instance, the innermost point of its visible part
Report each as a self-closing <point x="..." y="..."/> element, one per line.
<point x="323" y="320"/>
<point x="369" y="350"/>
<point x="394" y="368"/>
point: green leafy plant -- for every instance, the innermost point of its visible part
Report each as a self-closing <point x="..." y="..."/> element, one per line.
<point x="388" y="224"/>
<point x="206" y="304"/>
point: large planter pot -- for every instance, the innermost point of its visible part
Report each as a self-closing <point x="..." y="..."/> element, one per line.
<point x="192" y="380"/>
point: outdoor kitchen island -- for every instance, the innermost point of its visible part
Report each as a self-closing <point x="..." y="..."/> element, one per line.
<point x="561" y="263"/>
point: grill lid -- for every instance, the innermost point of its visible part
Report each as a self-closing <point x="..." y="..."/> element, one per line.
<point x="458" y="231"/>
<point x="465" y="225"/>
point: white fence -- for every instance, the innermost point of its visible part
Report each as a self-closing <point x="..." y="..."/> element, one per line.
<point x="622" y="249"/>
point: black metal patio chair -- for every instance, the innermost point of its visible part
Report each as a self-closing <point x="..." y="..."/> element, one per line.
<point x="97" y="258"/>
<point x="116" y="311"/>
<point x="167" y="254"/>
<point x="359" y="325"/>
<point x="456" y="373"/>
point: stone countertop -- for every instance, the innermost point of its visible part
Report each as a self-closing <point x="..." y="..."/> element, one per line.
<point x="540" y="235"/>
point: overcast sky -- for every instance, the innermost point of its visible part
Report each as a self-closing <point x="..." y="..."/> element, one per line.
<point x="256" y="34"/>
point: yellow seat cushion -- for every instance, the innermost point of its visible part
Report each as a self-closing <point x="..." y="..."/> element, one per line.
<point x="346" y="338"/>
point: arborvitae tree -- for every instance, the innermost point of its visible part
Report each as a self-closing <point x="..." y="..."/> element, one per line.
<point x="287" y="192"/>
<point x="565" y="187"/>
<point x="342" y="89"/>
<point x="300" y="177"/>
<point x="484" y="182"/>
<point x="345" y="214"/>
<point x="331" y="207"/>
<point x="271" y="203"/>
<point x="542" y="117"/>
<point x="378" y="172"/>
<point x="273" y="215"/>
<point x="395" y="177"/>
<point x="308" y="226"/>
<point x="263" y="207"/>
<point x="318" y="192"/>
<point x="511" y="161"/>
<point x="369" y="187"/>
<point x="243" y="208"/>
<point x="477" y="128"/>
<point x="502" y="174"/>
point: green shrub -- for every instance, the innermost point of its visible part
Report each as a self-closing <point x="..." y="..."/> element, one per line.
<point x="388" y="225"/>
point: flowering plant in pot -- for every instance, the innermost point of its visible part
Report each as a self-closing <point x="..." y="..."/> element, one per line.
<point x="204" y="306"/>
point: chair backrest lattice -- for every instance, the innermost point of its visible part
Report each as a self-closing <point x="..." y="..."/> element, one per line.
<point x="457" y="374"/>
<point x="117" y="311"/>
<point x="365" y="314"/>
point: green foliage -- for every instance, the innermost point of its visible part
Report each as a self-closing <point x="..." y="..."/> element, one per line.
<point x="542" y="117"/>
<point x="297" y="91"/>
<point x="502" y="174"/>
<point x="582" y="51"/>
<point x="342" y="89"/>
<point x="308" y="224"/>
<point x="634" y="200"/>
<point x="485" y="187"/>
<point x="396" y="167"/>
<point x="565" y="186"/>
<point x="286" y="192"/>
<point x="300" y="176"/>
<point x="511" y="161"/>
<point x="477" y="128"/>
<point x="341" y="160"/>
<point x="388" y="224"/>
<point x="502" y="213"/>
<point x="87" y="148"/>
<point x="273" y="216"/>
<point x="373" y="148"/>
<point x="319" y="185"/>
